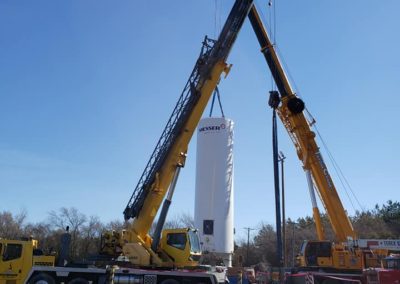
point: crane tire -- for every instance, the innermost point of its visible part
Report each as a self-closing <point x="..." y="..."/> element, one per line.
<point x="78" y="280"/>
<point x="42" y="278"/>
<point x="169" y="281"/>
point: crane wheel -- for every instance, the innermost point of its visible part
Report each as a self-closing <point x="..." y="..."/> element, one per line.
<point x="78" y="280"/>
<point x="295" y="105"/>
<point x="42" y="278"/>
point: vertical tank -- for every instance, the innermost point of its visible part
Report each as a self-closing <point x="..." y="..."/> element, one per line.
<point x="213" y="214"/>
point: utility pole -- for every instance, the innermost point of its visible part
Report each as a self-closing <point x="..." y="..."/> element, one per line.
<point x="248" y="244"/>
<point x="293" y="245"/>
<point x="293" y="242"/>
<point x="281" y="159"/>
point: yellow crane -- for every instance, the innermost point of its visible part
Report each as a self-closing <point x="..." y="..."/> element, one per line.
<point x="180" y="247"/>
<point x="177" y="247"/>
<point x="174" y="248"/>
<point x="343" y="253"/>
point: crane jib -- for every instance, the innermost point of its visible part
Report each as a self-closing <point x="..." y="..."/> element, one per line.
<point x="212" y="52"/>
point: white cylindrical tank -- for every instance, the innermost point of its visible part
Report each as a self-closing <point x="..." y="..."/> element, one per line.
<point x="213" y="213"/>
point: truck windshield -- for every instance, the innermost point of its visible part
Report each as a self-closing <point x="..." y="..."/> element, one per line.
<point x="12" y="251"/>
<point x="177" y="240"/>
<point x="303" y="247"/>
<point x="194" y="241"/>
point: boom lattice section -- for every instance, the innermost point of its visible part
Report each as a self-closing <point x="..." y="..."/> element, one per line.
<point x="173" y="127"/>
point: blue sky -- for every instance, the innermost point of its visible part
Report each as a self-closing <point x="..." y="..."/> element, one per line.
<point x="86" y="88"/>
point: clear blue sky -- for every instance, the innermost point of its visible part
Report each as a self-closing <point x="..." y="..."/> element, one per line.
<point x="86" y="88"/>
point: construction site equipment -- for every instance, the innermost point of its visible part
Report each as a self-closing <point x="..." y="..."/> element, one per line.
<point x="162" y="170"/>
<point x="388" y="273"/>
<point x="169" y="249"/>
<point x="21" y="262"/>
<point x="344" y="253"/>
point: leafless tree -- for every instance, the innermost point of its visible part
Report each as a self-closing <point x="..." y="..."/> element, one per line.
<point x="11" y="226"/>
<point x="72" y="218"/>
<point x="116" y="225"/>
<point x="90" y="236"/>
<point x="183" y="220"/>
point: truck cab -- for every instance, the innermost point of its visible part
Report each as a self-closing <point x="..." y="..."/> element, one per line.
<point x="315" y="253"/>
<point x="183" y="245"/>
<point x="17" y="258"/>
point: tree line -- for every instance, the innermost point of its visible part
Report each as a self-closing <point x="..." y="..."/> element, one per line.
<point x="382" y="222"/>
<point x="85" y="231"/>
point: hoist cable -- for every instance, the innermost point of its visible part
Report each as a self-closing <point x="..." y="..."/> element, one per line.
<point x="219" y="102"/>
<point x="287" y="71"/>
<point x="339" y="173"/>
<point x="212" y="105"/>
<point x="269" y="25"/>
<point x="217" y="18"/>
<point x="216" y="94"/>
<point x="271" y="5"/>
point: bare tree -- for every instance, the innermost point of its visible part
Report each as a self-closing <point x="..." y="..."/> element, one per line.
<point x="91" y="234"/>
<point x="48" y="238"/>
<point x="186" y="220"/>
<point x="72" y="218"/>
<point x="183" y="220"/>
<point x="265" y="246"/>
<point x="116" y="225"/>
<point x="11" y="226"/>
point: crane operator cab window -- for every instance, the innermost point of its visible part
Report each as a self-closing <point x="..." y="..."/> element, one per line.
<point x="194" y="241"/>
<point x="177" y="240"/>
<point x="314" y="250"/>
<point x="12" y="251"/>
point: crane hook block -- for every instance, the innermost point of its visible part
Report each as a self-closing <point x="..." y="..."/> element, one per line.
<point x="274" y="99"/>
<point x="295" y="105"/>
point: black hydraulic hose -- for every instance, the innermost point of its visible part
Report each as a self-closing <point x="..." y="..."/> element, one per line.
<point x="274" y="103"/>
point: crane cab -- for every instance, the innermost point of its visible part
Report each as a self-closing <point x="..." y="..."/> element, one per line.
<point x="177" y="248"/>
<point x="17" y="258"/>
<point x="329" y="255"/>
<point x="182" y="246"/>
<point x="315" y="254"/>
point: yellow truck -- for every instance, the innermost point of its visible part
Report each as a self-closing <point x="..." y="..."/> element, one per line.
<point x="22" y="262"/>
<point x="18" y="257"/>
